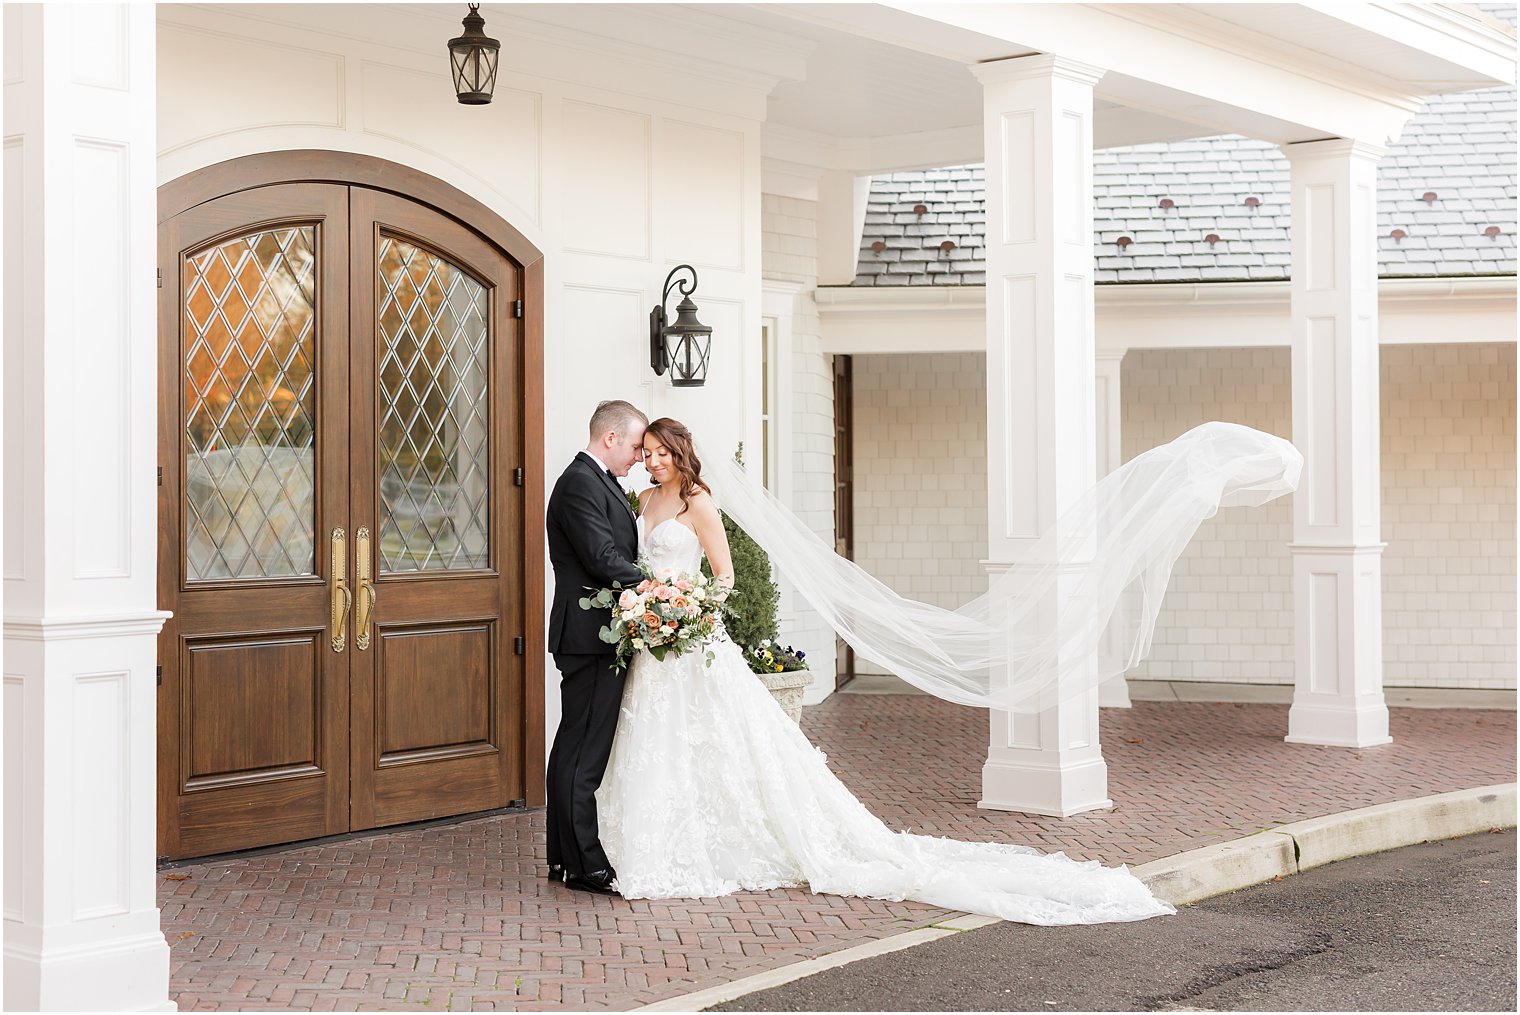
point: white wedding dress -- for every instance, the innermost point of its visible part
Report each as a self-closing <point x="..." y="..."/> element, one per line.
<point x="711" y="789"/>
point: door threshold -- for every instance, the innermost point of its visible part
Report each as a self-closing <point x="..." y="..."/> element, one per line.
<point x="325" y="840"/>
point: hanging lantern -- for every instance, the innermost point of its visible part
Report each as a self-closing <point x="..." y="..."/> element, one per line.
<point x="682" y="347"/>
<point x="472" y="58"/>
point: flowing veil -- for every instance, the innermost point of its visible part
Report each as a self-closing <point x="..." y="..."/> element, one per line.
<point x="1077" y="609"/>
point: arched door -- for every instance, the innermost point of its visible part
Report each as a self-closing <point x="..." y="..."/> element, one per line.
<point x="343" y="529"/>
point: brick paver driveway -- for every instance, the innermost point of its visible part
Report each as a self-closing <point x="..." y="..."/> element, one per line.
<point x="453" y="917"/>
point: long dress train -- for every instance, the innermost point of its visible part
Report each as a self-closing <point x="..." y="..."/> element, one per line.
<point x="711" y="789"/>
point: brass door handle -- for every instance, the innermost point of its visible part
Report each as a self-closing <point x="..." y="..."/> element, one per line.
<point x="367" y="594"/>
<point x="342" y="598"/>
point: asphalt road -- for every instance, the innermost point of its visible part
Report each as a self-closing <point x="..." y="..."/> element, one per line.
<point x="1424" y="928"/>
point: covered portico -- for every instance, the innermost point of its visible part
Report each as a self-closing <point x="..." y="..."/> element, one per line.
<point x="1332" y="88"/>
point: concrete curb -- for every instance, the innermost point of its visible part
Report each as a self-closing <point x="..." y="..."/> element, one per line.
<point x="1301" y="845"/>
<point x="1201" y="873"/>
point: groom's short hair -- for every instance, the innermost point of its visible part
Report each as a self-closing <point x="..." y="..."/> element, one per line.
<point x="616" y="415"/>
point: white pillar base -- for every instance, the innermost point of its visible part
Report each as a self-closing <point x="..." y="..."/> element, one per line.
<point x="1114" y="693"/>
<point x="1338" y="673"/>
<point x="1048" y="762"/>
<point x="129" y="972"/>
<point x="1054" y="783"/>
<point x="1335" y="722"/>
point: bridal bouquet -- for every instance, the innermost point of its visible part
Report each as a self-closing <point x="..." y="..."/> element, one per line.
<point x="667" y="613"/>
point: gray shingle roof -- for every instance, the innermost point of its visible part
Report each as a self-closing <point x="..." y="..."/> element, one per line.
<point x="1460" y="148"/>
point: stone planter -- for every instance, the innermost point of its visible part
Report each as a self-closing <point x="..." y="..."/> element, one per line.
<point x="787" y="688"/>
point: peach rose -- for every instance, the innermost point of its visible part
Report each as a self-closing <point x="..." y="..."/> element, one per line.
<point x="651" y="621"/>
<point x="680" y="602"/>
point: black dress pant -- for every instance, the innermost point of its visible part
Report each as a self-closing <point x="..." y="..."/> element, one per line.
<point x="590" y="694"/>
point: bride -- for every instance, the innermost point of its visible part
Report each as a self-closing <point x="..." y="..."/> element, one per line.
<point x="711" y="789"/>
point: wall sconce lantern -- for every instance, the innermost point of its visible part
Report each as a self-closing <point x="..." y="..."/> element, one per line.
<point x="472" y="58"/>
<point x="682" y="347"/>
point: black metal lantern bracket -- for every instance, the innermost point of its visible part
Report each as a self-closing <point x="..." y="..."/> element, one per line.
<point x="472" y="60"/>
<point x="682" y="347"/>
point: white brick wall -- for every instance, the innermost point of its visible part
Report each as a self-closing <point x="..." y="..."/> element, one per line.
<point x="1449" y="515"/>
<point x="1448" y="505"/>
<point x="789" y="253"/>
<point x="789" y="239"/>
<point x="1448" y="466"/>
<point x="920" y="434"/>
<point x="1228" y="613"/>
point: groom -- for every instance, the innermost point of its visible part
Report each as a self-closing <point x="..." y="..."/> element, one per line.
<point x="593" y="542"/>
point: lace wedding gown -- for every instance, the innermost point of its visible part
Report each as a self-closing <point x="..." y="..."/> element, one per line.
<point x="711" y="789"/>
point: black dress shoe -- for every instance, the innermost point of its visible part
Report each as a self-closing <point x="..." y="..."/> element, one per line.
<point x="593" y="881"/>
<point x="556" y="872"/>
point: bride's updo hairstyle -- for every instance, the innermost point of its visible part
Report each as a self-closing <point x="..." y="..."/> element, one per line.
<point x="683" y="455"/>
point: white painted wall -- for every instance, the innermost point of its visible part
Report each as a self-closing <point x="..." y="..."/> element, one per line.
<point x="1448" y="460"/>
<point x="615" y="170"/>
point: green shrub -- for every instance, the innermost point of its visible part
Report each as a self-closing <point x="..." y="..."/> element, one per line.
<point x="750" y="614"/>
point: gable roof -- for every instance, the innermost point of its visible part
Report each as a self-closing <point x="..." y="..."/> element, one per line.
<point x="1459" y="150"/>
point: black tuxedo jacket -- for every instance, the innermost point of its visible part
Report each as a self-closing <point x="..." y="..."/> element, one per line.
<point x="593" y="542"/>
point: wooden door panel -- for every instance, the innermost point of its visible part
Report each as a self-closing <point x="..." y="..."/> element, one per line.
<point x="253" y="707"/>
<point x="435" y="688"/>
<point x="222" y="822"/>
<point x="434" y="693"/>
<point x="253" y="710"/>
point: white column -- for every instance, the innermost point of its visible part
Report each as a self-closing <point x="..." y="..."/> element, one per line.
<point x="1113" y="692"/>
<point x="81" y="921"/>
<point x="1041" y="455"/>
<point x="1337" y="547"/>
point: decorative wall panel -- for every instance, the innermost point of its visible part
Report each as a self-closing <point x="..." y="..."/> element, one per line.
<point x="604" y="180"/>
<point x="702" y="178"/>
<point x="501" y="144"/>
<point x="99" y="45"/>
<point x="231" y="75"/>
<point x="1021" y="418"/>
<point x="101" y="338"/>
<point x="101" y="799"/>
<point x="15" y="754"/>
<point x="15" y="348"/>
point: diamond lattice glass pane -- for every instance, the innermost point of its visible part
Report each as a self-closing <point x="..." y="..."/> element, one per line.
<point x="250" y="407"/>
<point x="434" y="485"/>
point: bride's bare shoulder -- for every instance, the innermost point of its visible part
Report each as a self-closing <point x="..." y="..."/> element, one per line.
<point x="703" y="507"/>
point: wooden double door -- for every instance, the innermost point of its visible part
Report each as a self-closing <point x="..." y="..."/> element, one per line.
<point x="342" y="538"/>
